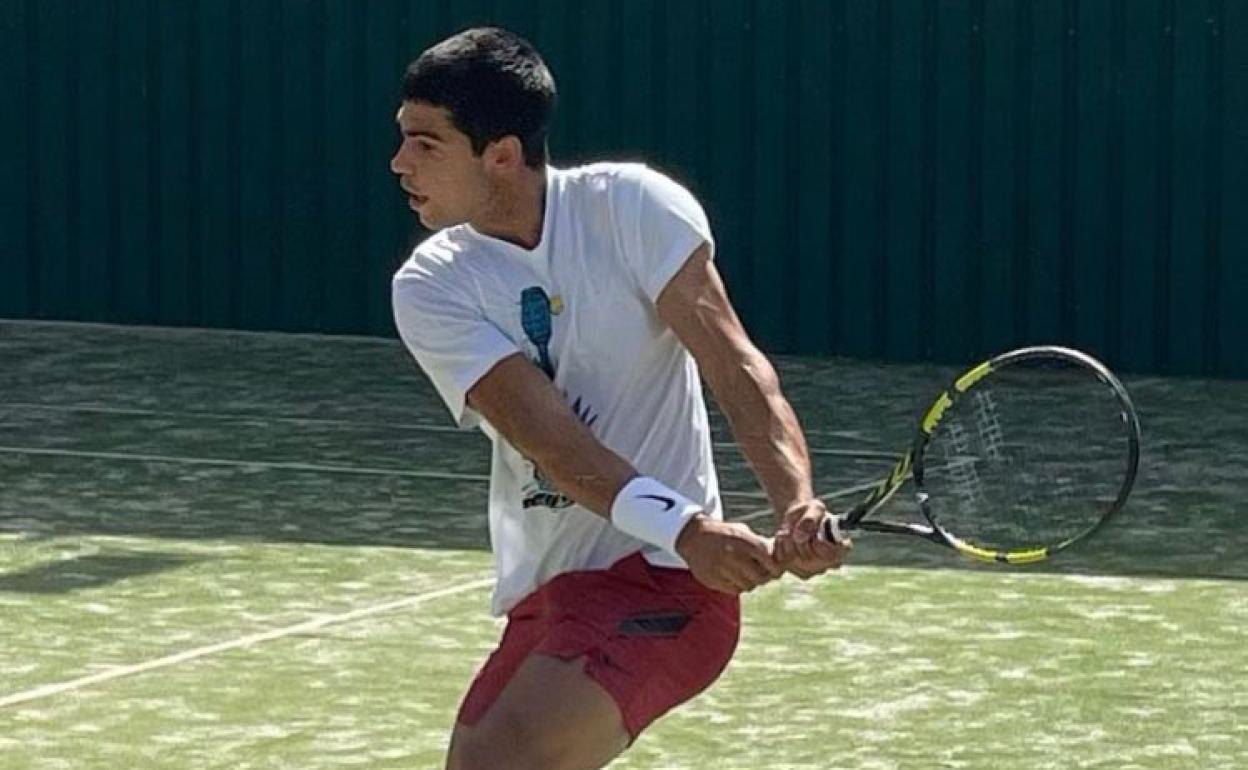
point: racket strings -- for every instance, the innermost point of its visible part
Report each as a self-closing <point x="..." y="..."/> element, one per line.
<point x="1031" y="457"/>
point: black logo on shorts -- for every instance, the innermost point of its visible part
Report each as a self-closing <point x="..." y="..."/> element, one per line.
<point x="654" y="624"/>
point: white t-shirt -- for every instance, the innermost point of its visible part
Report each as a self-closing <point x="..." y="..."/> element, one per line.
<point x="613" y="235"/>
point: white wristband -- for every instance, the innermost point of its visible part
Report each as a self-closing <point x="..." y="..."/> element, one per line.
<point x="652" y="512"/>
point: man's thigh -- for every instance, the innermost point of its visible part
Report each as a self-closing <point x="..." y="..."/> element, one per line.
<point x="551" y="714"/>
<point x="628" y="644"/>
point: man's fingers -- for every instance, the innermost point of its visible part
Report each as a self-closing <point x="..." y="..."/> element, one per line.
<point x="806" y="551"/>
<point x="752" y="573"/>
<point x="761" y="557"/>
<point x="759" y="550"/>
<point x="755" y="564"/>
<point x="738" y="560"/>
<point x="783" y="549"/>
<point x="802" y="521"/>
<point x="816" y="548"/>
<point x="806" y="528"/>
<point x="825" y="551"/>
<point x="787" y="552"/>
<point x="807" y="560"/>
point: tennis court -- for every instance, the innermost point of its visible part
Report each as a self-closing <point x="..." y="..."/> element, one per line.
<point x="233" y="550"/>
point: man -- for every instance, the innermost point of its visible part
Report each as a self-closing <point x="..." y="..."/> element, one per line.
<point x="570" y="314"/>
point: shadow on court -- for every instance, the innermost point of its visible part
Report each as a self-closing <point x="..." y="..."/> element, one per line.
<point x="93" y="571"/>
<point x="193" y="435"/>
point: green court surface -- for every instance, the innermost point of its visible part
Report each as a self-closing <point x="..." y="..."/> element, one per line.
<point x="226" y="550"/>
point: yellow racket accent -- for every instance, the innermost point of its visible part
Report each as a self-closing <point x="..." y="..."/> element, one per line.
<point x="938" y="409"/>
<point x="1030" y="556"/>
<point x="936" y="412"/>
<point x="910" y="464"/>
<point x="973" y="376"/>
<point x="901" y="471"/>
<point x="1026" y="557"/>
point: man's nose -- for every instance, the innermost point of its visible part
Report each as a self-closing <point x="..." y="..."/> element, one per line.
<point x="403" y="162"/>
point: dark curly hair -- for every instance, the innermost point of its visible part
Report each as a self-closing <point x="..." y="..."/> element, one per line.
<point x="493" y="83"/>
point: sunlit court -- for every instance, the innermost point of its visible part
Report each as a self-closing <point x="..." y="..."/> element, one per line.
<point x="264" y="491"/>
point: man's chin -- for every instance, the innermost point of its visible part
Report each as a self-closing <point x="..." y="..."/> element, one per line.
<point x="434" y="222"/>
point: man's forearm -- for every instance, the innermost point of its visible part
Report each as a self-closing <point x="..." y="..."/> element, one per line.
<point x="768" y="432"/>
<point x="584" y="470"/>
<point x="521" y="404"/>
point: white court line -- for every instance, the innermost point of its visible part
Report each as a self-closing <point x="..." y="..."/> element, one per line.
<point x="445" y="476"/>
<point x="412" y="426"/>
<point x="866" y="454"/>
<point x="759" y="495"/>
<point x="309" y="467"/>
<point x="833" y="495"/>
<point x="93" y="409"/>
<point x="49" y="690"/>
<point x="191" y="331"/>
<point x="869" y="454"/>
<point x="119" y="672"/>
<point x="846" y="492"/>
<point x="183" y="331"/>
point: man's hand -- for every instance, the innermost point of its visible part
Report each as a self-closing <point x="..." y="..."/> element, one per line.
<point x="726" y="557"/>
<point x="798" y="546"/>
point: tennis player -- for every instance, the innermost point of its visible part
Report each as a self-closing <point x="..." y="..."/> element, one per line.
<point x="571" y="314"/>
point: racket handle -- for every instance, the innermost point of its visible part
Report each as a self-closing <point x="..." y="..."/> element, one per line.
<point x="831" y="529"/>
<point x="830" y="532"/>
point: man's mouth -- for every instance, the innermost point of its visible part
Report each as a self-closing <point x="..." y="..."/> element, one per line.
<point x="415" y="198"/>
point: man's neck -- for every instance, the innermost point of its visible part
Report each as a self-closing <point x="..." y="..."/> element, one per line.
<point x="518" y="212"/>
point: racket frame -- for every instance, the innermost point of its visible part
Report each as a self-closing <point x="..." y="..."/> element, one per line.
<point x="912" y="464"/>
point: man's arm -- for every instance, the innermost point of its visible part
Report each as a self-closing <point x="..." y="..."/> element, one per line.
<point x="696" y="307"/>
<point x="521" y="403"/>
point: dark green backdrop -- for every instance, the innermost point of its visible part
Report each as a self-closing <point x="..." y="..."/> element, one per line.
<point x="910" y="179"/>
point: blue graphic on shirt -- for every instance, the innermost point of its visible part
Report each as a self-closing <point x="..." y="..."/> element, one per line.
<point x="535" y="318"/>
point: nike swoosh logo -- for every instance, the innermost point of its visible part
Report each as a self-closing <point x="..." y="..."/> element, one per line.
<point x="668" y="503"/>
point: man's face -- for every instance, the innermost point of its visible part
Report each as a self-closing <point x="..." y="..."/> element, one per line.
<point x="446" y="184"/>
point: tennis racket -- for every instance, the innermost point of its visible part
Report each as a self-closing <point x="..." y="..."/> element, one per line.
<point x="1020" y="457"/>
<point x="535" y="320"/>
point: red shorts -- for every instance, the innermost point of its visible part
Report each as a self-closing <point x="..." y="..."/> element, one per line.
<point x="653" y="637"/>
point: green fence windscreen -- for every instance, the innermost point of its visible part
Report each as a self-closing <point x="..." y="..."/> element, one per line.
<point x="928" y="179"/>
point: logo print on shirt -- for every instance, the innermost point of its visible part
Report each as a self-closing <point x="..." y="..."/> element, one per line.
<point x="535" y="307"/>
<point x="539" y="492"/>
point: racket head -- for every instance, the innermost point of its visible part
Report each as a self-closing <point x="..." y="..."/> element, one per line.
<point x="1026" y="454"/>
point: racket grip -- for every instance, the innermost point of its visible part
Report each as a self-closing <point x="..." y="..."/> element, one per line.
<point x="831" y="529"/>
<point x="830" y="532"/>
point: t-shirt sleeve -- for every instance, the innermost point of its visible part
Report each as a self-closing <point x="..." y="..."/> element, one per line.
<point x="661" y="226"/>
<point x="450" y="338"/>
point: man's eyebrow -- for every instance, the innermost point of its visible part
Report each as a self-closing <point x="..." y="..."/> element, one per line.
<point x="421" y="133"/>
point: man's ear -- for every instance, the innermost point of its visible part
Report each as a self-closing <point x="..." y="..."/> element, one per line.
<point x="505" y="154"/>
